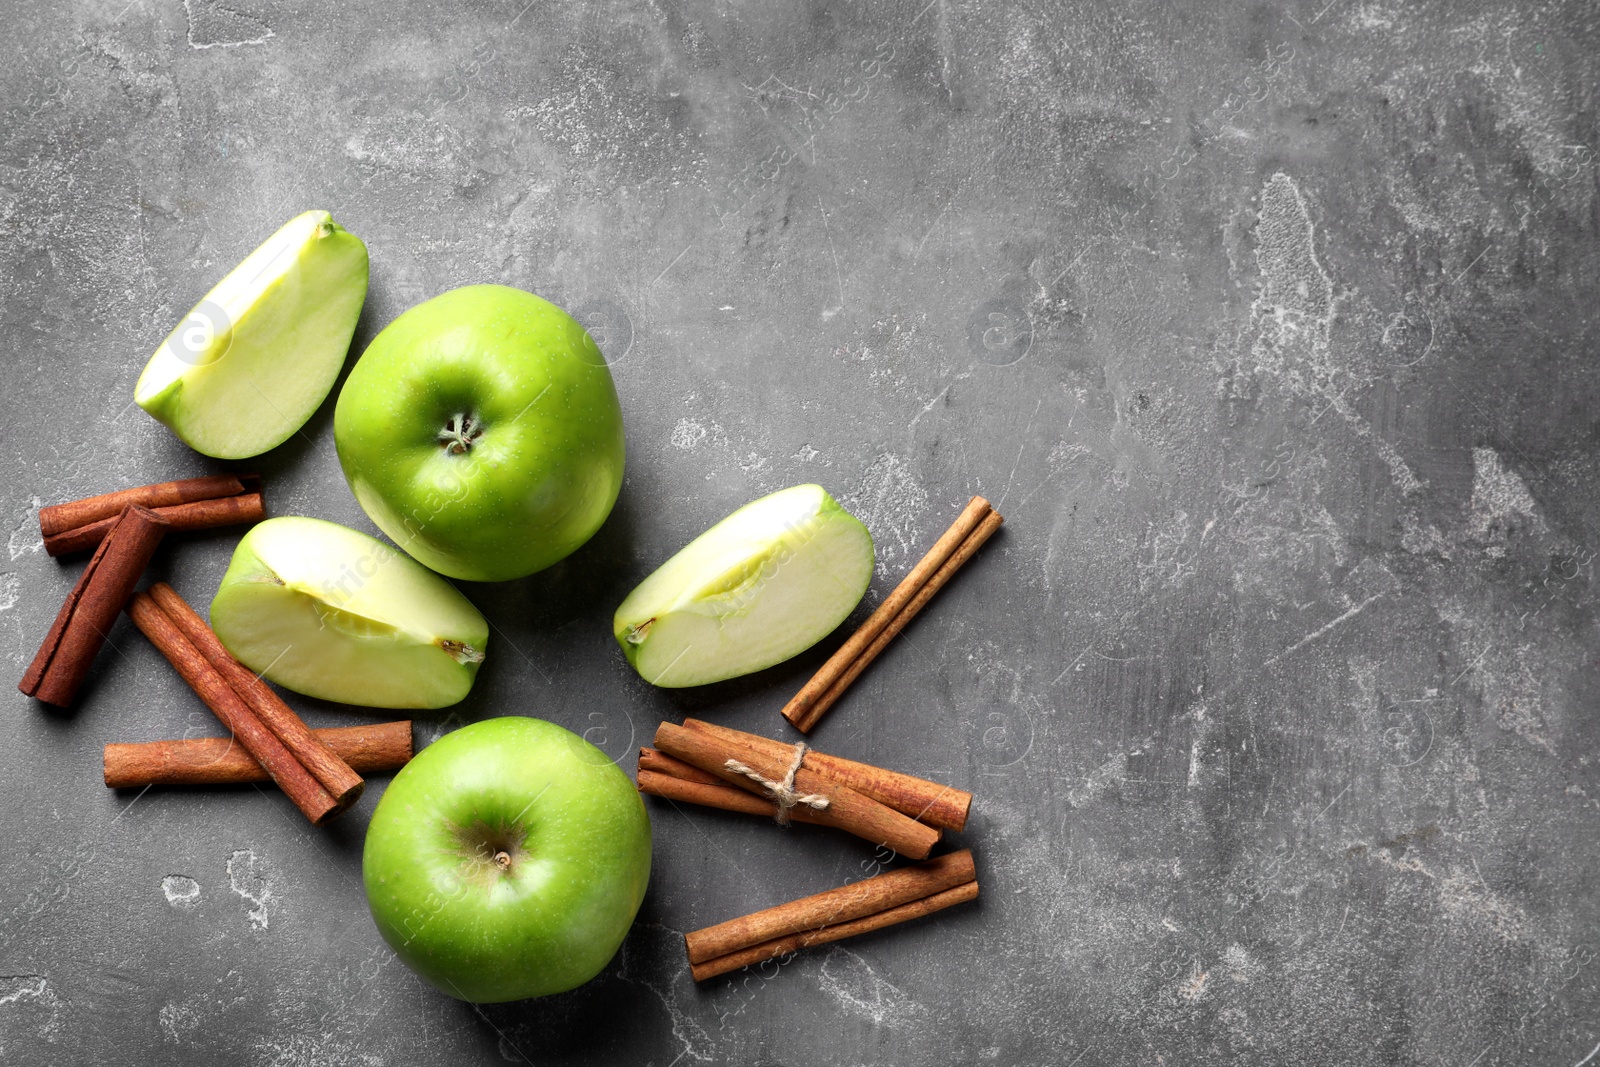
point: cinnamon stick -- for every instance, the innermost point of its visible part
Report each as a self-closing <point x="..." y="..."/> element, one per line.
<point x="297" y="783"/>
<point x="661" y="763"/>
<point x="199" y="515"/>
<point x="974" y="541"/>
<point x="930" y="803"/>
<point x="63" y="660"/>
<point x="336" y="776"/>
<point x="783" y="946"/>
<point x="57" y="519"/>
<point x="722" y="797"/>
<point x="369" y="749"/>
<point x="846" y="809"/>
<point x="975" y="525"/>
<point x="874" y="896"/>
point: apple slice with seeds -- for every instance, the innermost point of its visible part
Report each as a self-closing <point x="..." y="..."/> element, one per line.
<point x="762" y="585"/>
<point x="333" y="613"/>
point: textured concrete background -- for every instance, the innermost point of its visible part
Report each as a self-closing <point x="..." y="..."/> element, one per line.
<point x="1270" y="330"/>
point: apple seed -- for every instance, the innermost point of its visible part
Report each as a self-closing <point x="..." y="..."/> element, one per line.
<point x="460" y="651"/>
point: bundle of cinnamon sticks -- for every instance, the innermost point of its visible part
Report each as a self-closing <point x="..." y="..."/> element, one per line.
<point x="124" y="528"/>
<point x="190" y="504"/>
<point x="305" y="767"/>
<point x="975" y="525"/>
<point x="848" y="911"/>
<point x="313" y="768"/>
<point x="719" y="767"/>
<point x="689" y="763"/>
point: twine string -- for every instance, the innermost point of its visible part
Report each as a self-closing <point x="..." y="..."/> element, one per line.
<point x="783" y="791"/>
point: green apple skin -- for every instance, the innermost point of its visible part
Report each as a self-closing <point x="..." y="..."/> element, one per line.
<point x="257" y="356"/>
<point x="481" y="431"/>
<point x="764" y="584"/>
<point x="507" y="860"/>
<point x="330" y="612"/>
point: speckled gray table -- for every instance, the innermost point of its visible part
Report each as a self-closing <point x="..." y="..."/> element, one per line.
<point x="1270" y="330"/>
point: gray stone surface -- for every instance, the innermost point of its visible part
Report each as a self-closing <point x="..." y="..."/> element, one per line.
<point x="1270" y="330"/>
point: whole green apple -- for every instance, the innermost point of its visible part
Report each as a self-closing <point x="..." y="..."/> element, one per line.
<point x="507" y="860"/>
<point x="481" y="431"/>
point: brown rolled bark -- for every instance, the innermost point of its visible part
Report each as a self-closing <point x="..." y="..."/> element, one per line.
<point x="200" y="515"/>
<point x="63" y="660"/>
<point x="976" y="523"/>
<point x="661" y="763"/>
<point x="368" y="749"/>
<point x="846" y="809"/>
<point x="859" y="900"/>
<point x="930" y="803"/>
<point x="189" y="504"/>
<point x="297" y="783"/>
<point x="722" y="797"/>
<point x="336" y="776"/>
<point x="58" y="518"/>
<point x="782" y="946"/>
<point x="974" y="541"/>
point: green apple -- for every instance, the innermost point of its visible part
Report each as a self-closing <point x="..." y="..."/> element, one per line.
<point x="332" y="613"/>
<point x="764" y="584"/>
<point x="253" y="360"/>
<point x="481" y="431"/>
<point x="507" y="860"/>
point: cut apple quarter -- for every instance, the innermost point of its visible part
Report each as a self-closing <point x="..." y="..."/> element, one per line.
<point x="251" y="362"/>
<point x="762" y="585"/>
<point x="333" y="613"/>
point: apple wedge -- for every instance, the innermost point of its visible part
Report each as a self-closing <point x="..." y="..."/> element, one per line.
<point x="764" y="584"/>
<point x="251" y="362"/>
<point x="332" y="613"/>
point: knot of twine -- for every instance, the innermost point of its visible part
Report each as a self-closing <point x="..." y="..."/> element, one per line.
<point x="783" y="792"/>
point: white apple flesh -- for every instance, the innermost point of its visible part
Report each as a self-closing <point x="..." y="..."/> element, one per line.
<point x="332" y="613"/>
<point x="251" y="362"/>
<point x="762" y="585"/>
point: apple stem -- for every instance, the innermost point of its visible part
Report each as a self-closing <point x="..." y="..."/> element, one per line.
<point x="460" y="433"/>
<point x="502" y="859"/>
